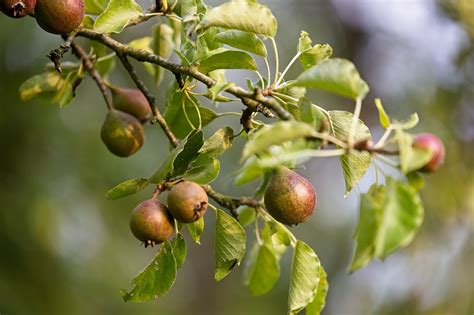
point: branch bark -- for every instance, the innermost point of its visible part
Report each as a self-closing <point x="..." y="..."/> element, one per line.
<point x="150" y="98"/>
<point x="145" y="56"/>
<point x="89" y="66"/>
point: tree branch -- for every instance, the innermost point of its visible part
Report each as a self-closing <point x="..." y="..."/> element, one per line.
<point x="145" y="56"/>
<point x="89" y="66"/>
<point x="231" y="203"/>
<point x="150" y="98"/>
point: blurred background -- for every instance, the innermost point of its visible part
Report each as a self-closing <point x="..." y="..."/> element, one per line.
<point x="65" y="249"/>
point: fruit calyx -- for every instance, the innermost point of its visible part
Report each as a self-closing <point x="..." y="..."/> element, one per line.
<point x="17" y="8"/>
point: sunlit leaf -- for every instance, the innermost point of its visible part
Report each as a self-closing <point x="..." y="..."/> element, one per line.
<point x="337" y="76"/>
<point x="355" y="164"/>
<point x="230" y="242"/>
<point x="389" y="218"/>
<point x="276" y="134"/>
<point x="229" y="59"/>
<point x="312" y="55"/>
<point x="383" y="117"/>
<point x="117" y="15"/>
<point x="319" y="301"/>
<point x="244" y="16"/>
<point x="243" y="40"/>
<point x="304" y="277"/>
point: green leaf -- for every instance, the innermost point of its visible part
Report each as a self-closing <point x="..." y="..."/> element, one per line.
<point x="244" y="16"/>
<point x="163" y="46"/>
<point x="157" y="278"/>
<point x="203" y="171"/>
<point x="411" y="158"/>
<point x="45" y="85"/>
<point x="145" y="43"/>
<point x="370" y="216"/>
<point x="337" y="76"/>
<point x="230" y="59"/>
<point x="105" y="64"/>
<point x="66" y="93"/>
<point x="312" y="115"/>
<point x="246" y="214"/>
<point x="186" y="153"/>
<point x="218" y="143"/>
<point x="263" y="270"/>
<point x="180" y="106"/>
<point x="402" y="217"/>
<point x="179" y="249"/>
<point x="304" y="277"/>
<point x="117" y="15"/>
<point x="127" y="188"/>
<point x="195" y="230"/>
<point x="95" y="7"/>
<point x="319" y="301"/>
<point x="189" y="154"/>
<point x="411" y="122"/>
<point x="243" y="40"/>
<point x="312" y="55"/>
<point x="416" y="180"/>
<point x="230" y="242"/>
<point x="355" y="164"/>
<point x="383" y="117"/>
<point x="389" y="218"/>
<point x="276" y="134"/>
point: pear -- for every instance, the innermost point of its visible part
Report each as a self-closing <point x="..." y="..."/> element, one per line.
<point x="122" y="133"/>
<point x="187" y="202"/>
<point x="131" y="101"/>
<point x="151" y="223"/>
<point x="428" y="141"/>
<point x="59" y="16"/>
<point x="289" y="197"/>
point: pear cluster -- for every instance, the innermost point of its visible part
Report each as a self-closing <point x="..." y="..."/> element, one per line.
<point x="152" y="222"/>
<point x="54" y="16"/>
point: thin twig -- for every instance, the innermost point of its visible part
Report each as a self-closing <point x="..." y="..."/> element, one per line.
<point x="150" y="98"/>
<point x="145" y="56"/>
<point x="89" y="66"/>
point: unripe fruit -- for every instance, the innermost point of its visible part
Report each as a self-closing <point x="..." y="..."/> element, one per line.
<point x="131" y="101"/>
<point x="428" y="141"/>
<point x="289" y="197"/>
<point x="59" y="16"/>
<point x="187" y="202"/>
<point x="151" y="222"/>
<point x="122" y="133"/>
<point x="17" y="8"/>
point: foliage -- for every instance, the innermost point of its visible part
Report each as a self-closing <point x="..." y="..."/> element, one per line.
<point x="200" y="36"/>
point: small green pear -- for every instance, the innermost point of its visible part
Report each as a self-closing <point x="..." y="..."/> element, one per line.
<point x="289" y="197"/>
<point x="131" y="101"/>
<point x="122" y="133"/>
